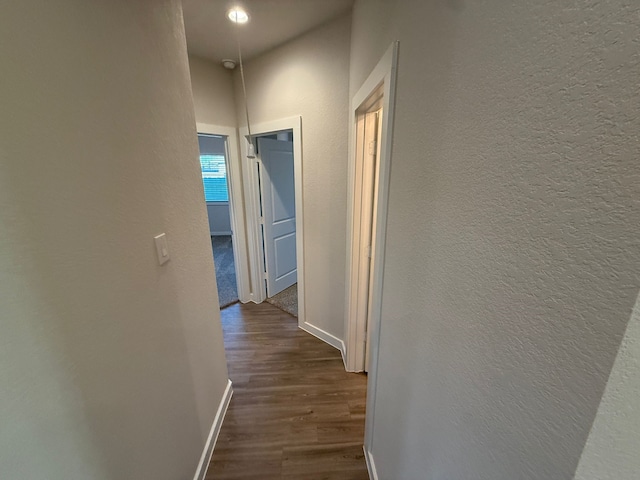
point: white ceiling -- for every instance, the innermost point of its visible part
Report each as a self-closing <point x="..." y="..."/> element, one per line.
<point x="211" y="35"/>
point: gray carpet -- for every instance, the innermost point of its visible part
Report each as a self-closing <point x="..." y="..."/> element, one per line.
<point x="225" y="270"/>
<point x="286" y="300"/>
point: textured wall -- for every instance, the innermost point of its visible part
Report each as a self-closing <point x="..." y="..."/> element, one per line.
<point x="219" y="218"/>
<point x="111" y="366"/>
<point x="512" y="260"/>
<point x="213" y="97"/>
<point x="309" y="77"/>
<point x="611" y="452"/>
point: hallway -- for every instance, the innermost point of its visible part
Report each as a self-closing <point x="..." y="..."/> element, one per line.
<point x="295" y="412"/>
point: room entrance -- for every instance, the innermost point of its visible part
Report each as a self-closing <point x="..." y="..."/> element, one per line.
<point x="276" y="182"/>
<point x="274" y="213"/>
<point x="221" y="179"/>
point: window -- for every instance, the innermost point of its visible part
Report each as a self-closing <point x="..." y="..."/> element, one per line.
<point x="214" y="177"/>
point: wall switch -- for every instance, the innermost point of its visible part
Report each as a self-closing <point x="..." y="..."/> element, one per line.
<point x="161" y="248"/>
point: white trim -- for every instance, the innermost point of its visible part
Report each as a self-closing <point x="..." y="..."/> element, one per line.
<point x="383" y="74"/>
<point x="225" y="233"/>
<point x="324" y="336"/>
<point x="236" y="205"/>
<point x="209" y="445"/>
<point x="371" y="465"/>
<point x="250" y="182"/>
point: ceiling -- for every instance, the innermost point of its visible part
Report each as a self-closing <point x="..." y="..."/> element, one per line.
<point x="211" y="35"/>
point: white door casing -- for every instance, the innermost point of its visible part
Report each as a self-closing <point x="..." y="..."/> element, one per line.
<point x="277" y="187"/>
<point x="364" y="212"/>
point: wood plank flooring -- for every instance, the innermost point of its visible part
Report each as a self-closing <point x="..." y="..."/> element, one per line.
<point x="295" y="412"/>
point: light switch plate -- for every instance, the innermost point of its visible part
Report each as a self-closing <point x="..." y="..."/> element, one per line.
<point x="161" y="248"/>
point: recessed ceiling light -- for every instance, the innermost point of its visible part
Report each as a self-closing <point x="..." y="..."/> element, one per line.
<point x="238" y="15"/>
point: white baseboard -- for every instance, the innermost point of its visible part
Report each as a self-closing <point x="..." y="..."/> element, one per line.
<point x="371" y="465"/>
<point x="324" y="336"/>
<point x="205" y="458"/>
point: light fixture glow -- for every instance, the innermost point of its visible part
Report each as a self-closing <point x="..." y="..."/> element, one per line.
<point x="238" y="15"/>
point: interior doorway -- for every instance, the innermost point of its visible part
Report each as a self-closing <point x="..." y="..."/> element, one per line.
<point x="274" y="212"/>
<point x="220" y="168"/>
<point x="213" y="166"/>
<point x="276" y="183"/>
<point x="364" y="257"/>
<point x="372" y="110"/>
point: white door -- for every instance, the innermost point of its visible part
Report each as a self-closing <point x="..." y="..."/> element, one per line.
<point x="277" y="189"/>
<point x="373" y="127"/>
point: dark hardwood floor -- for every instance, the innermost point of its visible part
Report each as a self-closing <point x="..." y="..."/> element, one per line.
<point x="295" y="412"/>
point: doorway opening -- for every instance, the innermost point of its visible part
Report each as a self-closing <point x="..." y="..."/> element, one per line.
<point x="221" y="180"/>
<point x="372" y="110"/>
<point x="274" y="212"/>
<point x="213" y="165"/>
<point x="369" y="119"/>
<point x="276" y="183"/>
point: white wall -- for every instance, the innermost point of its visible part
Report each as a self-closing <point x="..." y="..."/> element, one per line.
<point x="213" y="95"/>
<point x="111" y="366"/>
<point x="309" y="77"/>
<point x="512" y="263"/>
<point x="219" y="218"/>
<point x="611" y="452"/>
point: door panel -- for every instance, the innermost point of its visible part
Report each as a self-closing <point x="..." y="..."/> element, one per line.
<point x="285" y="263"/>
<point x="282" y="184"/>
<point x="279" y="213"/>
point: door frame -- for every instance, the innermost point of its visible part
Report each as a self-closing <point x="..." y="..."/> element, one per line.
<point x="252" y="207"/>
<point x="234" y="185"/>
<point x="384" y="74"/>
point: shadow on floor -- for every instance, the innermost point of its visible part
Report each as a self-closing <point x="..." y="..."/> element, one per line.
<point x="225" y="270"/>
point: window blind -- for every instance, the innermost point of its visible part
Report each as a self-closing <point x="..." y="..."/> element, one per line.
<point x="214" y="178"/>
